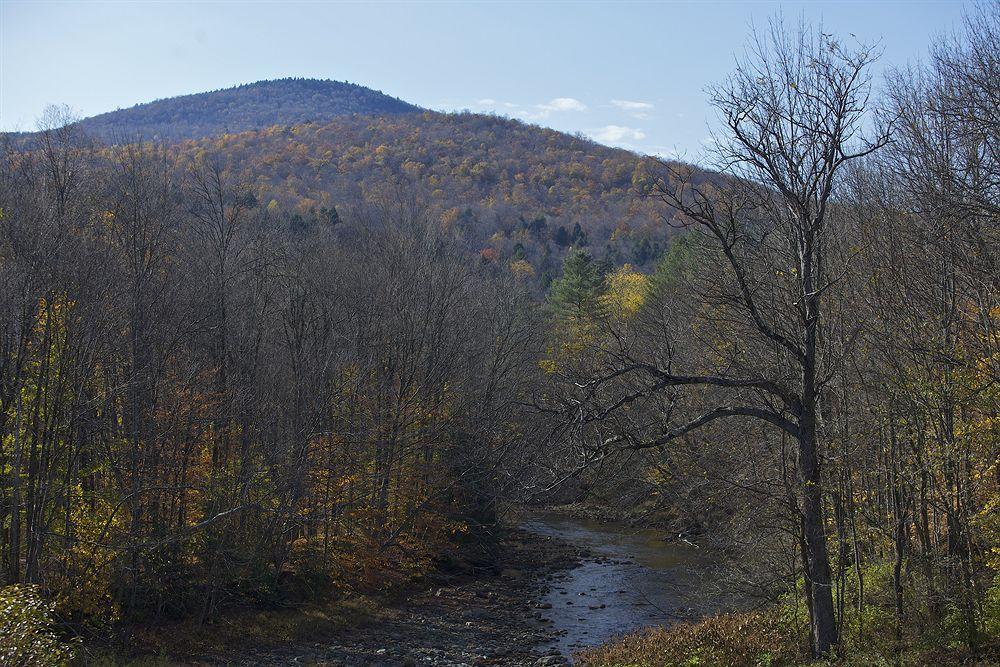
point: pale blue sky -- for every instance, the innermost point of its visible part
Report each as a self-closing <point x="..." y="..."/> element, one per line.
<point x="628" y="74"/>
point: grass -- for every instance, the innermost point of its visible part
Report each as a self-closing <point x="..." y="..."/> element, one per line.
<point x="768" y="639"/>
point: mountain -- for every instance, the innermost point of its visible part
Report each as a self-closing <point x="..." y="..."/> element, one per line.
<point x="247" y="107"/>
<point x="517" y="193"/>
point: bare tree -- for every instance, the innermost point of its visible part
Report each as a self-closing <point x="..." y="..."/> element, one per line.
<point x="753" y="344"/>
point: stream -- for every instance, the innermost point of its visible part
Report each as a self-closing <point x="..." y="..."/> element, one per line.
<point x="628" y="579"/>
<point x="587" y="583"/>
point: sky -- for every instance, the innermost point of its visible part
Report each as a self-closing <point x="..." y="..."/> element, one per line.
<point x="625" y="74"/>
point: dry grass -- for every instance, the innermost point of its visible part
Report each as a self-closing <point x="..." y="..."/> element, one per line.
<point x="730" y="640"/>
<point x="768" y="639"/>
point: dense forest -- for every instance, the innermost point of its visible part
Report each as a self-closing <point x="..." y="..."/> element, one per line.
<point x="321" y="359"/>
<point x="514" y="191"/>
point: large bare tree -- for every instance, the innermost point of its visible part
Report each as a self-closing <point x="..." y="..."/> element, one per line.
<point x="751" y="344"/>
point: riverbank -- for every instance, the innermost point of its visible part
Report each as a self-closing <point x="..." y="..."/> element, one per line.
<point x="560" y="584"/>
<point x="777" y="636"/>
<point x="467" y="617"/>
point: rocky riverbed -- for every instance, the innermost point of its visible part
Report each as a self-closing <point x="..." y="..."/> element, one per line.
<point x="560" y="584"/>
<point x="491" y="619"/>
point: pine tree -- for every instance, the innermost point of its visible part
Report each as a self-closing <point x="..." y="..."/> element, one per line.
<point x="575" y="295"/>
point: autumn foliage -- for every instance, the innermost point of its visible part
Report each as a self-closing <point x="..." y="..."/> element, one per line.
<point x="200" y="411"/>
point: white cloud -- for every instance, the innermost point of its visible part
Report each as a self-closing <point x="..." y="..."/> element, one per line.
<point x="629" y="105"/>
<point x="616" y="134"/>
<point x="528" y="115"/>
<point x="532" y="112"/>
<point x="635" y="109"/>
<point x="488" y="105"/>
<point x="563" y="104"/>
<point x="537" y="112"/>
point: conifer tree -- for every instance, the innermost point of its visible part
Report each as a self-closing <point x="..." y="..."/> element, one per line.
<point x="574" y="296"/>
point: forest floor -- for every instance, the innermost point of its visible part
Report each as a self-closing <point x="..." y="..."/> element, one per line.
<point x="472" y="619"/>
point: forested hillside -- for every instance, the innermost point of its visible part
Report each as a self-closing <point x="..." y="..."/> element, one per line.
<point x="201" y="410"/>
<point x="171" y="300"/>
<point x="514" y="192"/>
<point x="250" y="106"/>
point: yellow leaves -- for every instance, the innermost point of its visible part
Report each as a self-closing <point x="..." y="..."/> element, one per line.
<point x="449" y="219"/>
<point x="625" y="291"/>
<point x="480" y="171"/>
<point x="642" y="180"/>
<point x="988" y="521"/>
<point x="413" y="169"/>
<point x="95" y="524"/>
<point x="105" y="219"/>
<point x="522" y="268"/>
<point x="548" y="366"/>
<point x="621" y="229"/>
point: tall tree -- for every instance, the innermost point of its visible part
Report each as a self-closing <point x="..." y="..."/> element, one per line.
<point x="793" y="113"/>
<point x="751" y="345"/>
<point x="574" y="295"/>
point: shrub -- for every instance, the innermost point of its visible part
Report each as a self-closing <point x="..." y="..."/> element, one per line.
<point x="26" y="630"/>
<point x="991" y="610"/>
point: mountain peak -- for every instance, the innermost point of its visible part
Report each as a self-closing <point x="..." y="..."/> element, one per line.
<point x="249" y="106"/>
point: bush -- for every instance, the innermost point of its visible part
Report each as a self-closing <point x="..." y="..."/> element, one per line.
<point x="991" y="610"/>
<point x="26" y="630"/>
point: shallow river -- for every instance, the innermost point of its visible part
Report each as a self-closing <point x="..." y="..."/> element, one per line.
<point x="631" y="579"/>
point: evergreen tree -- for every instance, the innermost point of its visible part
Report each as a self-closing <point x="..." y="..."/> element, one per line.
<point x="642" y="252"/>
<point x="575" y="295"/>
<point x="562" y="237"/>
<point x="676" y="263"/>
